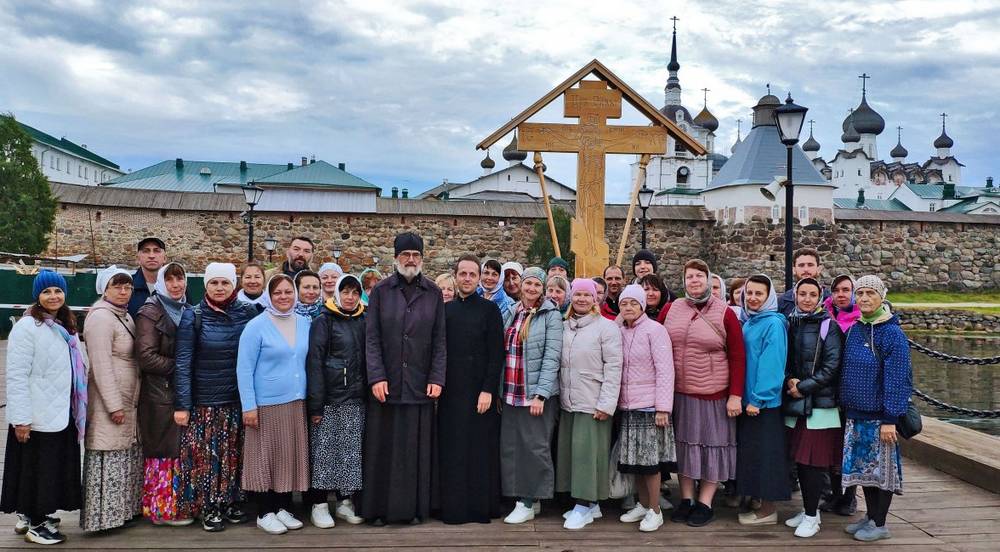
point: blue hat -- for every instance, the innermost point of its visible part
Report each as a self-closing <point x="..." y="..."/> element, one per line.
<point x="46" y="279"/>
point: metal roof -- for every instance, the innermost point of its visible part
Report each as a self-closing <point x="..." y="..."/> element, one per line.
<point x="64" y="144"/>
<point x="680" y="191"/>
<point x="870" y="204"/>
<point x="936" y="191"/>
<point x="319" y="173"/>
<point x="760" y="157"/>
<point x="440" y="188"/>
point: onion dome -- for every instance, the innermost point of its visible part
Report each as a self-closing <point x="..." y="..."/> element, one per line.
<point x="850" y="133"/>
<point x="944" y="141"/>
<point x="511" y="153"/>
<point x="811" y="144"/>
<point x="898" y="151"/>
<point x="866" y="120"/>
<point x="706" y="120"/>
<point x="487" y="163"/>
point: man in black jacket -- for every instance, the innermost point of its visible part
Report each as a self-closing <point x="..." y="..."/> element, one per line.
<point x="151" y="255"/>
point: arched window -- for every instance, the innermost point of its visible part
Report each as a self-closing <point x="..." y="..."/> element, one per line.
<point x="803" y="214"/>
<point x="682" y="176"/>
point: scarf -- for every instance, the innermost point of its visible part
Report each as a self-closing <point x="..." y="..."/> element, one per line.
<point x="699" y="300"/>
<point x="880" y="312"/>
<point x="309" y="311"/>
<point x="221" y="307"/>
<point x="770" y="304"/>
<point x="258" y="300"/>
<point x="78" y="395"/>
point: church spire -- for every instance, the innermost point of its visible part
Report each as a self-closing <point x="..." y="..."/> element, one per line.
<point x="672" y="92"/>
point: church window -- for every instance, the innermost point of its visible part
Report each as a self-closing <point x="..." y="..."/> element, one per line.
<point x="79" y="170"/>
<point x="678" y="147"/>
<point x="932" y="207"/>
<point x="508" y="178"/>
<point x="58" y="163"/>
<point x="949" y="178"/>
<point x="859" y="172"/>
<point x="803" y="213"/>
<point x="682" y="176"/>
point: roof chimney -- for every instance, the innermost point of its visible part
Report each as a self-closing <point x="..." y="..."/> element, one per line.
<point x="312" y="159"/>
<point x="406" y="193"/>
<point x="949" y="191"/>
<point x="395" y="192"/>
<point x="861" y="198"/>
<point x="84" y="146"/>
<point x="342" y="166"/>
<point x="290" y="165"/>
<point x="243" y="166"/>
<point x="179" y="163"/>
<point x="305" y="161"/>
<point x="989" y="181"/>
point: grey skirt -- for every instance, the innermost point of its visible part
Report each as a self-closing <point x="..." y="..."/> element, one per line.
<point x="644" y="447"/>
<point x="526" y="469"/>
<point x="112" y="488"/>
<point x="706" y="439"/>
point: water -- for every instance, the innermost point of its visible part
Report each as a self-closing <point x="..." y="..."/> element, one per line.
<point x="959" y="384"/>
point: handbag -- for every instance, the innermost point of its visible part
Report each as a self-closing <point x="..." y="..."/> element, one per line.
<point x="621" y="484"/>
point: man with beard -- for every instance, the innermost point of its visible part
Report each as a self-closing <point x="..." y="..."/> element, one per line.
<point x="614" y="276"/>
<point x="407" y="358"/>
<point x="512" y="279"/>
<point x="297" y="258"/>
<point x="805" y="264"/>
<point x="151" y="255"/>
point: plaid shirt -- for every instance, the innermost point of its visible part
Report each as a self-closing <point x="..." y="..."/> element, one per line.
<point x="514" y="379"/>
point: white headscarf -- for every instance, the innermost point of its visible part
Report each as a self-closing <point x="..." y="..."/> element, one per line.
<point x="105" y="276"/>
<point x="266" y="298"/>
<point x="173" y="307"/>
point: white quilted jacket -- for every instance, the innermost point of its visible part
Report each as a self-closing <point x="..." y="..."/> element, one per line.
<point x="39" y="377"/>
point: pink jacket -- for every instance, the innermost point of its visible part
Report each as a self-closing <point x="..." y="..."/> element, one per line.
<point x="648" y="368"/>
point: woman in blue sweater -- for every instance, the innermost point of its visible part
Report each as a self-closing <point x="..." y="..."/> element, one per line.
<point x="271" y="369"/>
<point x="760" y="457"/>
<point x="875" y="387"/>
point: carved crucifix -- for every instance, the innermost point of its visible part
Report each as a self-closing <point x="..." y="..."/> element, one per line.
<point x="593" y="103"/>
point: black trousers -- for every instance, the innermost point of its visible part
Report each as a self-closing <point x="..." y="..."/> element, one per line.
<point x="270" y="502"/>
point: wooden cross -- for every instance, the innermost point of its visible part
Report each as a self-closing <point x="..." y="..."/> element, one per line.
<point x="592" y="103"/>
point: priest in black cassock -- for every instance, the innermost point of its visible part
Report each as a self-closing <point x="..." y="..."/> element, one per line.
<point x="406" y="355"/>
<point x="468" y="420"/>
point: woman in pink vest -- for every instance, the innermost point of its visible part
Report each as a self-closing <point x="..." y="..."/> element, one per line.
<point x="709" y="367"/>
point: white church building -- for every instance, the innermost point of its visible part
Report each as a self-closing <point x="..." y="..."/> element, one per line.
<point x="66" y="162"/>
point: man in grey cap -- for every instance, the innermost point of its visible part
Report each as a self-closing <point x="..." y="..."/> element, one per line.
<point x="151" y="255"/>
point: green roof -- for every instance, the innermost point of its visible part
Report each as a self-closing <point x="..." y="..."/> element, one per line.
<point x="66" y="145"/>
<point x="971" y="204"/>
<point x="205" y="176"/>
<point x="680" y="191"/>
<point x="936" y="191"/>
<point x="870" y="204"/>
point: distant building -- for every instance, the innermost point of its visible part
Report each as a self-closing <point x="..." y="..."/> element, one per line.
<point x="65" y="162"/>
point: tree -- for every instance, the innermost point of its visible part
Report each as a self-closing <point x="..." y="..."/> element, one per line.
<point x="540" y="250"/>
<point x="27" y="206"/>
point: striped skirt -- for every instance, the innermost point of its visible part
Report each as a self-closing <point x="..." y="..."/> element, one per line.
<point x="276" y="452"/>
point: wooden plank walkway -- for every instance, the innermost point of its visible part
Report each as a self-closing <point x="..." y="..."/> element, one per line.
<point x="938" y="512"/>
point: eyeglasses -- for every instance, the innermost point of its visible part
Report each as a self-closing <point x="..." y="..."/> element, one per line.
<point x="121" y="287"/>
<point x="410" y="255"/>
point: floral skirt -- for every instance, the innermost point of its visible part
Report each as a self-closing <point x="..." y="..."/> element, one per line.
<point x="161" y="489"/>
<point x="644" y="447"/>
<point x="211" y="447"/>
<point x="112" y="488"/>
<point x="868" y="461"/>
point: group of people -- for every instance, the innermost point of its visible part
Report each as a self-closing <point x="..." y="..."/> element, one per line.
<point x="402" y="398"/>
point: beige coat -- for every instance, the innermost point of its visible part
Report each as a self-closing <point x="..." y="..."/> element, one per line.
<point x="113" y="377"/>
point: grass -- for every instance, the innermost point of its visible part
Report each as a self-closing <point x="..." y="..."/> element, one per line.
<point x="944" y="297"/>
<point x="995" y="311"/>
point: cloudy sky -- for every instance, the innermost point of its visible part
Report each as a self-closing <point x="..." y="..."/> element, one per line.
<point x="402" y="91"/>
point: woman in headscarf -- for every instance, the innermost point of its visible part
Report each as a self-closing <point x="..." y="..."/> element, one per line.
<point x="252" y="285"/>
<point x="491" y="287"/>
<point x="329" y="274"/>
<point x="841" y="304"/>
<point x="718" y="287"/>
<point x="709" y="368"/>
<point x="336" y="383"/>
<point x="112" y="462"/>
<point x="875" y="388"/>
<point x="207" y="400"/>
<point x="155" y="332"/>
<point x="271" y="371"/>
<point x="46" y="413"/>
<point x="369" y="277"/>
<point x="557" y="290"/>
<point x="736" y="295"/>
<point x="533" y="342"/>
<point x="761" y="470"/>
<point x="590" y="377"/>
<point x="309" y="290"/>
<point x="812" y="375"/>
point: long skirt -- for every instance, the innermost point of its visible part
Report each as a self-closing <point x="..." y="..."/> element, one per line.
<point x="820" y="448"/>
<point x="398" y="464"/>
<point x="211" y="447"/>
<point x="761" y="459"/>
<point x="584" y="448"/>
<point x="868" y="461"/>
<point x="276" y="452"/>
<point x="161" y="491"/>
<point x="335" y="448"/>
<point x="42" y="475"/>
<point x="706" y="439"/>
<point x="644" y="448"/>
<point x="112" y="488"/>
<point x="526" y="469"/>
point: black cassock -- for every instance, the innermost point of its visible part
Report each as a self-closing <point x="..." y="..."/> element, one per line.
<point x="469" y="443"/>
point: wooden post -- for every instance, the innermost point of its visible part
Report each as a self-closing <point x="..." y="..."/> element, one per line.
<point x="640" y="179"/>
<point x="548" y="208"/>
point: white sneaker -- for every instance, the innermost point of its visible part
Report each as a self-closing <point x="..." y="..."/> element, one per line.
<point x="271" y="525"/>
<point x="634" y="515"/>
<point x="320" y="516"/>
<point x="595" y="512"/>
<point x="795" y="520"/>
<point x="288" y="520"/>
<point x="808" y="527"/>
<point x="21" y="526"/>
<point x="651" y="521"/>
<point x="576" y="520"/>
<point x="345" y="511"/>
<point x="519" y="514"/>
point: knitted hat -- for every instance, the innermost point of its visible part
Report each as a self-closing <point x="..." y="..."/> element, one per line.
<point x="644" y="255"/>
<point x="872" y="282"/>
<point x="105" y="276"/>
<point x="534" y="272"/>
<point x="220" y="270"/>
<point x="558" y="261"/>
<point x="408" y="241"/>
<point x="330" y="266"/>
<point x="46" y="279"/>
<point x="634" y="291"/>
<point x="516" y="267"/>
<point x="584" y="284"/>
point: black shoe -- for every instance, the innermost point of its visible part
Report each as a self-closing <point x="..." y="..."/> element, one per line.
<point x="235" y="515"/>
<point x="701" y="515"/>
<point x="828" y="504"/>
<point x="132" y="522"/>
<point x="846" y="507"/>
<point x="213" y="523"/>
<point x="682" y="511"/>
<point x="44" y="534"/>
<point x="377" y="522"/>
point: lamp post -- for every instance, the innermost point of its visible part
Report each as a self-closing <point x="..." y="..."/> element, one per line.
<point x="375" y="262"/>
<point x="251" y="193"/>
<point x="270" y="244"/>
<point x="645" y="200"/>
<point x="336" y="255"/>
<point x="789" y="118"/>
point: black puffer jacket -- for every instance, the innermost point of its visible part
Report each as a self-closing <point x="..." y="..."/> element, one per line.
<point x="818" y="374"/>
<point x="205" y="372"/>
<point x="335" y="367"/>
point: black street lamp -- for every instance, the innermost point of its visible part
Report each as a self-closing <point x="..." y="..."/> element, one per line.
<point x="645" y="200"/>
<point x="251" y="193"/>
<point x="336" y="255"/>
<point x="270" y="244"/>
<point x="789" y="118"/>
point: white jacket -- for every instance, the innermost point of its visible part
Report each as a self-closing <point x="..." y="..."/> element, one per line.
<point x="39" y="377"/>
